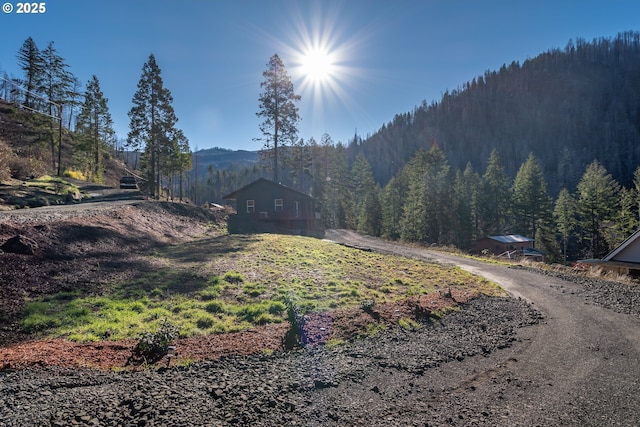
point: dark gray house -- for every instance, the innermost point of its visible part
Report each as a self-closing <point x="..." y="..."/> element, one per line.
<point x="267" y="207"/>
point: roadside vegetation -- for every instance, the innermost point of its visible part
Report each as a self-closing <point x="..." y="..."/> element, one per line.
<point x="43" y="191"/>
<point x="233" y="282"/>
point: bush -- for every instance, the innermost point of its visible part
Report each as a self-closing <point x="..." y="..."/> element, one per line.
<point x="75" y="174"/>
<point x="153" y="346"/>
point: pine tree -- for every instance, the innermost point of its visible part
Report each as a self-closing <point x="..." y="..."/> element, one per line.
<point x="565" y="214"/>
<point x="392" y="200"/>
<point x="301" y="163"/>
<point x="598" y="201"/>
<point x="278" y="110"/>
<point x="152" y="126"/>
<point x="495" y="203"/>
<point x="175" y="158"/>
<point x="31" y="62"/>
<point x="438" y="194"/>
<point x="636" y="187"/>
<point x="56" y="86"/>
<point x="95" y="127"/>
<point x="413" y="222"/>
<point x="366" y="198"/>
<point x="466" y="188"/>
<point x="626" y="219"/>
<point x="338" y="205"/>
<point x="530" y="201"/>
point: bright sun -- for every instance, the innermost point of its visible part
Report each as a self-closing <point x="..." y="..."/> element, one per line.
<point x="317" y="66"/>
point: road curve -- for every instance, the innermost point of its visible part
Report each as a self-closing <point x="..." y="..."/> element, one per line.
<point x="580" y="366"/>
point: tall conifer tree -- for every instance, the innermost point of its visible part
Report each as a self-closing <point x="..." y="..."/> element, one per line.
<point x="565" y="214"/>
<point x="95" y="126"/>
<point x="31" y="62"/>
<point x="531" y="204"/>
<point x="278" y="111"/>
<point x="152" y="126"/>
<point x="598" y="201"/>
<point x="496" y="197"/>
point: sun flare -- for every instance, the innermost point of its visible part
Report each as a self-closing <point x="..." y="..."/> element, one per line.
<point x="317" y="66"/>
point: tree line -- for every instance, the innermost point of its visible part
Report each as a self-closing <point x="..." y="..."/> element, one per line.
<point x="47" y="87"/>
<point x="381" y="189"/>
<point x="568" y="106"/>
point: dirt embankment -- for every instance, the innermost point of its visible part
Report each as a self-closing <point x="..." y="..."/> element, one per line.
<point x="84" y="247"/>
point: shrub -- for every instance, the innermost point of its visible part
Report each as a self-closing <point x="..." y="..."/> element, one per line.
<point x="75" y="174"/>
<point x="153" y="346"/>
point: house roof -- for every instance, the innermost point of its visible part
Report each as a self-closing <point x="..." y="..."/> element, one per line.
<point x="263" y="181"/>
<point x="511" y="238"/>
<point x="631" y="241"/>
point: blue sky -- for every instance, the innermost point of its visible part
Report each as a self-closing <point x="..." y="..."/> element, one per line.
<point x="388" y="56"/>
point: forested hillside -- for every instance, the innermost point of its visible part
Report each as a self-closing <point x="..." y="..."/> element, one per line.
<point x="569" y="107"/>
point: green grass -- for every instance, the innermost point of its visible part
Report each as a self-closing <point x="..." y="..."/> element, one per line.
<point x="233" y="282"/>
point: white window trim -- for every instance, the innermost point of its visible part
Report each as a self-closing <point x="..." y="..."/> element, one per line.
<point x="251" y="206"/>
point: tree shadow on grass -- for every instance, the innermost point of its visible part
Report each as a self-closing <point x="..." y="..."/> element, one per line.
<point x="179" y="276"/>
<point x="206" y="249"/>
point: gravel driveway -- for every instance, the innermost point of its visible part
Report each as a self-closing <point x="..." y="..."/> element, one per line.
<point x="553" y="355"/>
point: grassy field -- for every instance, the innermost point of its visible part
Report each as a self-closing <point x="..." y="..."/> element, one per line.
<point x="231" y="282"/>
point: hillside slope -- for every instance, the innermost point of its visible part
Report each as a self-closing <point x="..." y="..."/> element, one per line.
<point x="568" y="107"/>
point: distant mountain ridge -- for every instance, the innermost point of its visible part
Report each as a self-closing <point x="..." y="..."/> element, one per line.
<point x="568" y="107"/>
<point x="222" y="159"/>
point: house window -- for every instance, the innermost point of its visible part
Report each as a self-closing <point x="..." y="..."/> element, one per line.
<point x="251" y="206"/>
<point x="297" y="209"/>
<point x="278" y="205"/>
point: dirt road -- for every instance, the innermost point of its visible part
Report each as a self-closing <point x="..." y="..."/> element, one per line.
<point x="581" y="366"/>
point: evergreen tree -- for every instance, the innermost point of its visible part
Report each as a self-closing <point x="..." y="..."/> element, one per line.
<point x="531" y="204"/>
<point x="175" y="159"/>
<point x="31" y="62"/>
<point x="636" y="187"/>
<point x="598" y="201"/>
<point x="427" y="210"/>
<point x="413" y="222"/>
<point x="278" y="111"/>
<point x="366" y="198"/>
<point x="392" y="200"/>
<point x="338" y="206"/>
<point x="495" y="203"/>
<point x="301" y="163"/>
<point x="626" y="218"/>
<point x="475" y="185"/>
<point x="466" y="188"/>
<point x="95" y="128"/>
<point x="565" y="214"/>
<point x="438" y="196"/>
<point x="152" y="126"/>
<point x="56" y="87"/>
